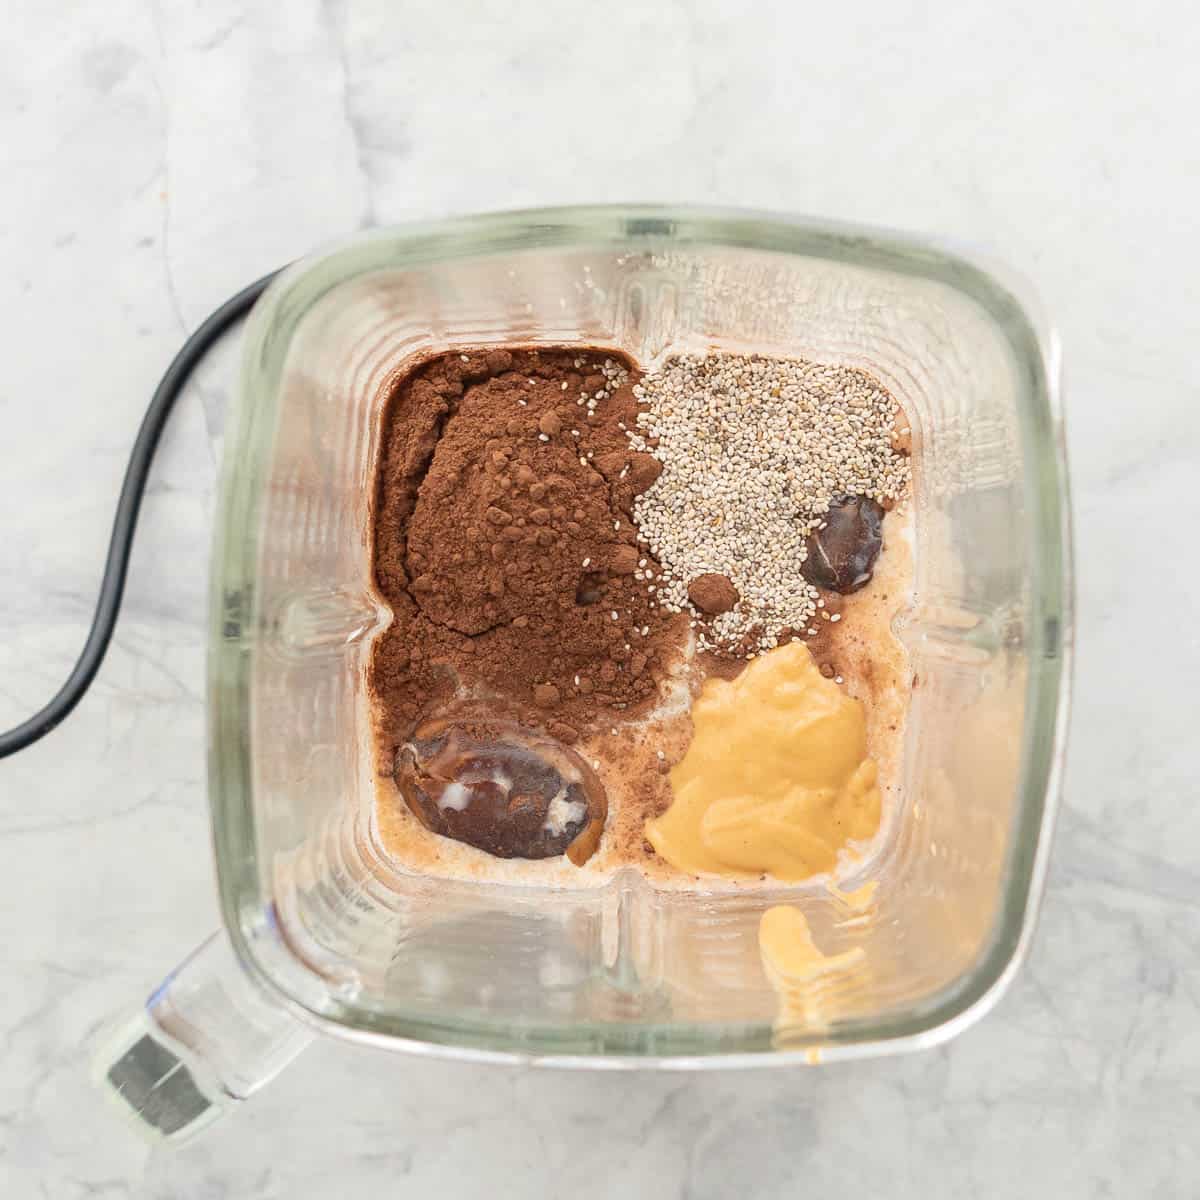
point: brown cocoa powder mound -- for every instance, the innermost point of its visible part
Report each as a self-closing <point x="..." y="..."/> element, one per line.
<point x="504" y="551"/>
<point x="713" y="593"/>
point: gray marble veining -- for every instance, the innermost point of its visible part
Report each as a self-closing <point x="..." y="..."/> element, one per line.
<point x="158" y="155"/>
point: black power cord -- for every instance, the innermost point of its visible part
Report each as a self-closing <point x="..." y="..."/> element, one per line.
<point x="112" y="584"/>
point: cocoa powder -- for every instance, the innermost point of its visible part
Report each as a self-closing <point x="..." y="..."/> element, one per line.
<point x="503" y="543"/>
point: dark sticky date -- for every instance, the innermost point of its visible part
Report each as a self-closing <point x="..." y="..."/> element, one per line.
<point x="842" y="556"/>
<point x="503" y="789"/>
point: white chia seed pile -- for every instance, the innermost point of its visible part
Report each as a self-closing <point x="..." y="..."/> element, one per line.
<point x="753" y="451"/>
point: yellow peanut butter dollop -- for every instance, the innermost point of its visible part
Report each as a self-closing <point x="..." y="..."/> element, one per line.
<point x="776" y="778"/>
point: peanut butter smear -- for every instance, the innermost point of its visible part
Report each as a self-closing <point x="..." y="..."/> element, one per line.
<point x="776" y="780"/>
<point x="806" y="980"/>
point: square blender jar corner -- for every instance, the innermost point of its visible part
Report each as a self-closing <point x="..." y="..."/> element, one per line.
<point x="324" y="933"/>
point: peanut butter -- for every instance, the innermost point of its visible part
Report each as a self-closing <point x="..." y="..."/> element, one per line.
<point x="776" y="779"/>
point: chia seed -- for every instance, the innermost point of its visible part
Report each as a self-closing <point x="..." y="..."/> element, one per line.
<point x="754" y="450"/>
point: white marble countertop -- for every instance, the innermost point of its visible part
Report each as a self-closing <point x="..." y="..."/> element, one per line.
<point x="158" y="155"/>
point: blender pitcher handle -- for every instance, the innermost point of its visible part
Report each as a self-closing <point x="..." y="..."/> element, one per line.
<point x="206" y="1039"/>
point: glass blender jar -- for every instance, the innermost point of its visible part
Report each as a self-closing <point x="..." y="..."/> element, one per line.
<point x="323" y="934"/>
